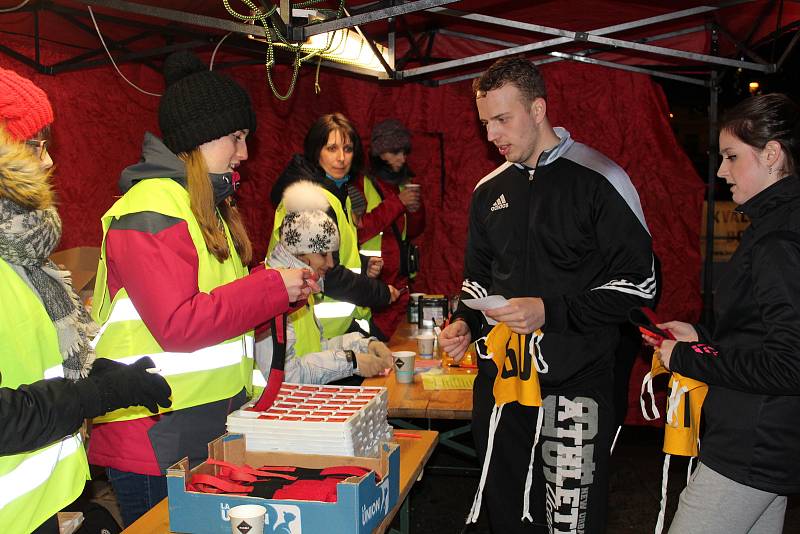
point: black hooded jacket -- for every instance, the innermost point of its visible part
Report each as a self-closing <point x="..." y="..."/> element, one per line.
<point x="340" y="282"/>
<point x="751" y="357"/>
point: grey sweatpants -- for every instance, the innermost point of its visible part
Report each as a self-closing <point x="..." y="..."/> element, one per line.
<point x="714" y="504"/>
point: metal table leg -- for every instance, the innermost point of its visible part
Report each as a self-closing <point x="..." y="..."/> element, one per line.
<point x="405" y="517"/>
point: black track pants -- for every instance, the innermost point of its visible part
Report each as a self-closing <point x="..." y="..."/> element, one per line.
<point x="569" y="493"/>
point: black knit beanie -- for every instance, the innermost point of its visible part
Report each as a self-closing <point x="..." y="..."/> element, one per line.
<point x="390" y="136"/>
<point x="200" y="105"/>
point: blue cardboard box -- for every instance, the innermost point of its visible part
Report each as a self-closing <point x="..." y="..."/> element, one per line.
<point x="361" y="505"/>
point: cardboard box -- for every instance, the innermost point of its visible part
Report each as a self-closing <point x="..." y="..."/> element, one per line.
<point x="82" y="263"/>
<point x="360" y="507"/>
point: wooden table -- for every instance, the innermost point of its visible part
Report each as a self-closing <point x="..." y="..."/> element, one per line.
<point x="412" y="401"/>
<point x="414" y="453"/>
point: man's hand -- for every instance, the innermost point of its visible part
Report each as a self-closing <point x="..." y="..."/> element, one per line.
<point x="374" y="266"/>
<point x="455" y="339"/>
<point x="523" y="315"/>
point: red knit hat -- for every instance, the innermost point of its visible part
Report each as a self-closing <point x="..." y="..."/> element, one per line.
<point x="24" y="108"/>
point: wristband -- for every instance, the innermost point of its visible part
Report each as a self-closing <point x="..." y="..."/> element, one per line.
<point x="351" y="357"/>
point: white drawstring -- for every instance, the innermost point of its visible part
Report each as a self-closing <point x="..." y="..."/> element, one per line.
<point x="614" y="443"/>
<point x="494" y="420"/>
<point x="674" y="401"/>
<point x="647" y="385"/>
<point x="664" y="482"/>
<point x="526" y="497"/>
<point x="535" y="348"/>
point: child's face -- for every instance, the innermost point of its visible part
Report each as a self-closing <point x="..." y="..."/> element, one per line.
<point x="319" y="263"/>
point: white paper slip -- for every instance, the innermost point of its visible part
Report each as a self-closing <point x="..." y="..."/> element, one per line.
<point x="486" y="303"/>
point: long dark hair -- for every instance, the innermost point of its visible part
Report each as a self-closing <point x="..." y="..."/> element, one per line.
<point x="317" y="138"/>
<point x="764" y="118"/>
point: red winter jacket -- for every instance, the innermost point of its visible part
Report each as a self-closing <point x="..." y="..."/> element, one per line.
<point x="159" y="272"/>
<point x="153" y="257"/>
<point x="379" y="220"/>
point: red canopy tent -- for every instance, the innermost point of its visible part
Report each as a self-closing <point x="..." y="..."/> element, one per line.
<point x="612" y="104"/>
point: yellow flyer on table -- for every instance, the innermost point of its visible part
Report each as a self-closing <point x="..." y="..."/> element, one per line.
<point x="447" y="381"/>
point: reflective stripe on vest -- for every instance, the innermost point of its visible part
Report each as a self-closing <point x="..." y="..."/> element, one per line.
<point x="370" y="249"/>
<point x="34" y="470"/>
<point x="258" y="379"/>
<point x="57" y="371"/>
<point x="333" y="308"/>
<point x="175" y="363"/>
<point x="364" y="325"/>
<point x="36" y="484"/>
<point x="199" y="377"/>
<point x="206" y="375"/>
<point x="336" y="320"/>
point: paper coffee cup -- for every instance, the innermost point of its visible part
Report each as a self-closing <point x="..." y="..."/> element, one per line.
<point x="247" y="519"/>
<point x="404" y="366"/>
<point x="425" y="345"/>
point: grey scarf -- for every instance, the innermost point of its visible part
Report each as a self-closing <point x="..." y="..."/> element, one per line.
<point x="280" y="257"/>
<point x="27" y="237"/>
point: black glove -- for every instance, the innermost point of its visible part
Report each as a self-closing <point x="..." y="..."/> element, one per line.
<point x="112" y="385"/>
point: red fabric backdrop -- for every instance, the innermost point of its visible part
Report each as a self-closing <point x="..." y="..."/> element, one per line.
<point x="100" y="122"/>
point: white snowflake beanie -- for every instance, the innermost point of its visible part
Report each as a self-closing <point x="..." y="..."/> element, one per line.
<point x="307" y="227"/>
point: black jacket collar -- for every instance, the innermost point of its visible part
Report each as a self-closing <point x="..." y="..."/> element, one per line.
<point x="771" y="198"/>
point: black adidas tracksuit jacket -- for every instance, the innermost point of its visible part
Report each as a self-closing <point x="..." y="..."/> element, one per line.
<point x="572" y="232"/>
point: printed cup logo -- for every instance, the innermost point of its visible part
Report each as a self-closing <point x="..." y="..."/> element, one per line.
<point x="399" y="363"/>
<point x="247" y="518"/>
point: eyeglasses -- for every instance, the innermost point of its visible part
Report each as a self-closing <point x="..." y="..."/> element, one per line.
<point x="41" y="147"/>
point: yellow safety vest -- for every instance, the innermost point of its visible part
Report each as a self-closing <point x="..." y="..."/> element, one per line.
<point x="335" y="316"/>
<point x="205" y="375"/>
<point x="372" y="246"/>
<point x="307" y="341"/>
<point x="34" y="485"/>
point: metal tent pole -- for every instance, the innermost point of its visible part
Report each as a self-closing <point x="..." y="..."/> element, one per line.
<point x="713" y="149"/>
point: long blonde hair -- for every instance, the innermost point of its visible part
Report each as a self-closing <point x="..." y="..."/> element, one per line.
<point x="201" y="196"/>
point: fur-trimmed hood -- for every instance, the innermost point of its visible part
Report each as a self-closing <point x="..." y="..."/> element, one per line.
<point x="22" y="179"/>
